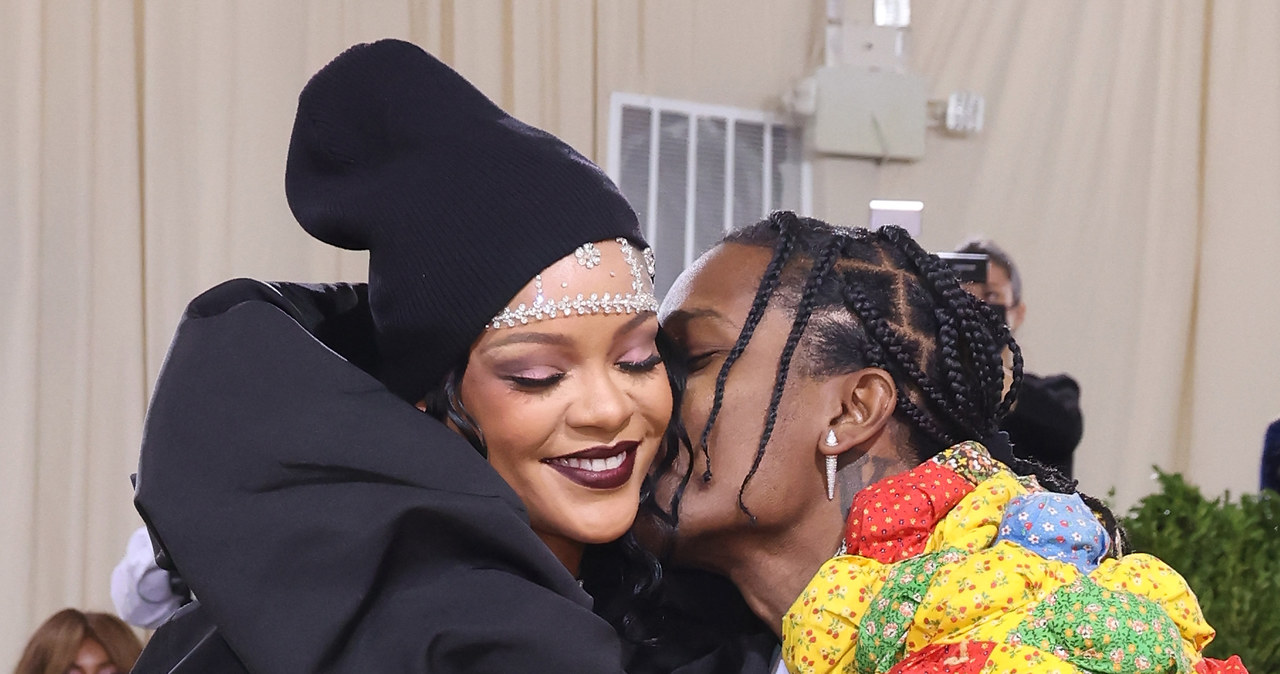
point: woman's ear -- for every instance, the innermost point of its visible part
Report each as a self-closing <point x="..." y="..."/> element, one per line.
<point x="867" y="399"/>
<point x="421" y="405"/>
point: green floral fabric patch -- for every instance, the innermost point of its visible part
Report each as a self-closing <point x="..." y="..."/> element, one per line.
<point x="882" y="633"/>
<point x="1101" y="630"/>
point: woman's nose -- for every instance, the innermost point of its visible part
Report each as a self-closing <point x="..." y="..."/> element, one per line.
<point x="604" y="404"/>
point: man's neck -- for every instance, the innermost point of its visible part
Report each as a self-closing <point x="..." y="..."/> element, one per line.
<point x="771" y="572"/>
<point x="772" y="567"/>
<point x="771" y="580"/>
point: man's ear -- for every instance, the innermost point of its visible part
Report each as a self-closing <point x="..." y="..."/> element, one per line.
<point x="866" y="401"/>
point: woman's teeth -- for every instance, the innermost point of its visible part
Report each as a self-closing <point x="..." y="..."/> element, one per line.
<point x="593" y="465"/>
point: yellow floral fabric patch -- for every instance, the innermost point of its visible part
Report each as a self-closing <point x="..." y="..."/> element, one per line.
<point x="974" y="522"/>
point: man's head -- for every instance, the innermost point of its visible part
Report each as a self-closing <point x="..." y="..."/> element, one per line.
<point x="1003" y="288"/>
<point x="805" y="341"/>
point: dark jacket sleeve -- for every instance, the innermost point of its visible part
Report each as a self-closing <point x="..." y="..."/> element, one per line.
<point x="326" y="526"/>
<point x="702" y="626"/>
<point x="188" y="643"/>
<point x="1046" y="423"/>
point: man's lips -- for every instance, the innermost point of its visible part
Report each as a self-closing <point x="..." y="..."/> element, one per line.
<point x="600" y="467"/>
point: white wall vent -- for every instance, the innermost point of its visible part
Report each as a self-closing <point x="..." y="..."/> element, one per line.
<point x="694" y="171"/>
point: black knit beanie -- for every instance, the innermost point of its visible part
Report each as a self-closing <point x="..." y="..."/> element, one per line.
<point x="458" y="203"/>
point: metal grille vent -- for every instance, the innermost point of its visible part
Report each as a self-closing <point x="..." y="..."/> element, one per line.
<point x="694" y="171"/>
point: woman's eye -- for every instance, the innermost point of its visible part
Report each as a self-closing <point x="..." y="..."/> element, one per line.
<point x="538" y="378"/>
<point x="645" y="365"/>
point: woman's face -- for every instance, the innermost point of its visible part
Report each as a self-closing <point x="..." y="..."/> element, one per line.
<point x="572" y="409"/>
<point x="704" y="313"/>
<point x="92" y="658"/>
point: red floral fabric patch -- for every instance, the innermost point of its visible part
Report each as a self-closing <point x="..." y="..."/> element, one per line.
<point x="1231" y="665"/>
<point x="892" y="519"/>
<point x="967" y="657"/>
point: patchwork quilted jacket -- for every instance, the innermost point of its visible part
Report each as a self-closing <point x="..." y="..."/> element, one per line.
<point x="959" y="565"/>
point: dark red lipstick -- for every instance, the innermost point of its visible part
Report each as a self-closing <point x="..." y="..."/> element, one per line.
<point x="600" y="467"/>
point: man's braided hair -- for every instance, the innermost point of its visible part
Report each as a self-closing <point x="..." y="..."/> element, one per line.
<point x="866" y="298"/>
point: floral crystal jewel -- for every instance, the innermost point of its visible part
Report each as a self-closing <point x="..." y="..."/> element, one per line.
<point x="640" y="299"/>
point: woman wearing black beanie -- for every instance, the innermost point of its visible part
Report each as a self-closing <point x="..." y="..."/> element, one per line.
<point x="404" y="476"/>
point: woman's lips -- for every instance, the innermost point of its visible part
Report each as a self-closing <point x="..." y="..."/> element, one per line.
<point x="603" y="467"/>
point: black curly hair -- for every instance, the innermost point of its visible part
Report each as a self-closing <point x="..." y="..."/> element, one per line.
<point x="865" y="298"/>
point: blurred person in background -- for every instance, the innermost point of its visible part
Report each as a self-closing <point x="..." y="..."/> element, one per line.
<point x="1271" y="457"/>
<point x="1045" y="425"/>
<point x="76" y="642"/>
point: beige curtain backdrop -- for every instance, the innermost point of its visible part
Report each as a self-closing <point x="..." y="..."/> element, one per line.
<point x="1129" y="163"/>
<point x="1234" y="388"/>
<point x="1130" y="166"/>
<point x="1088" y="173"/>
<point x="73" y="389"/>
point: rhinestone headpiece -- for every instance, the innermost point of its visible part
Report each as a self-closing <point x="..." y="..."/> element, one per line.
<point x="640" y="299"/>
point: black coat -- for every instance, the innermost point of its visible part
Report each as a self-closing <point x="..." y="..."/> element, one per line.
<point x="325" y="525"/>
<point x="1046" y="424"/>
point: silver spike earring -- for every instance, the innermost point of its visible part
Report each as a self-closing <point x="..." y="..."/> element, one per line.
<point x="831" y="441"/>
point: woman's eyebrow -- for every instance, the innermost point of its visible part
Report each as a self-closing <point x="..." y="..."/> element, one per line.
<point x="530" y="338"/>
<point x="554" y="339"/>
<point x="635" y="322"/>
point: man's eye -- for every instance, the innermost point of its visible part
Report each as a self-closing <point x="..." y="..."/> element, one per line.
<point x="700" y="360"/>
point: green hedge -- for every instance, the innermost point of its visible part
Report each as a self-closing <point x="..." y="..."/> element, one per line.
<point x="1229" y="552"/>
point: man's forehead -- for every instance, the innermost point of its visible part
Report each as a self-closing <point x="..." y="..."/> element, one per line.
<point x="723" y="274"/>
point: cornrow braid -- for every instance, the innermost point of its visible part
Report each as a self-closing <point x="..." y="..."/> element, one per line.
<point x="985" y="334"/>
<point x="874" y="356"/>
<point x="964" y="335"/>
<point x="1012" y="395"/>
<point x="948" y="335"/>
<point x="903" y="350"/>
<point x="780" y="222"/>
<point x="817" y="274"/>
